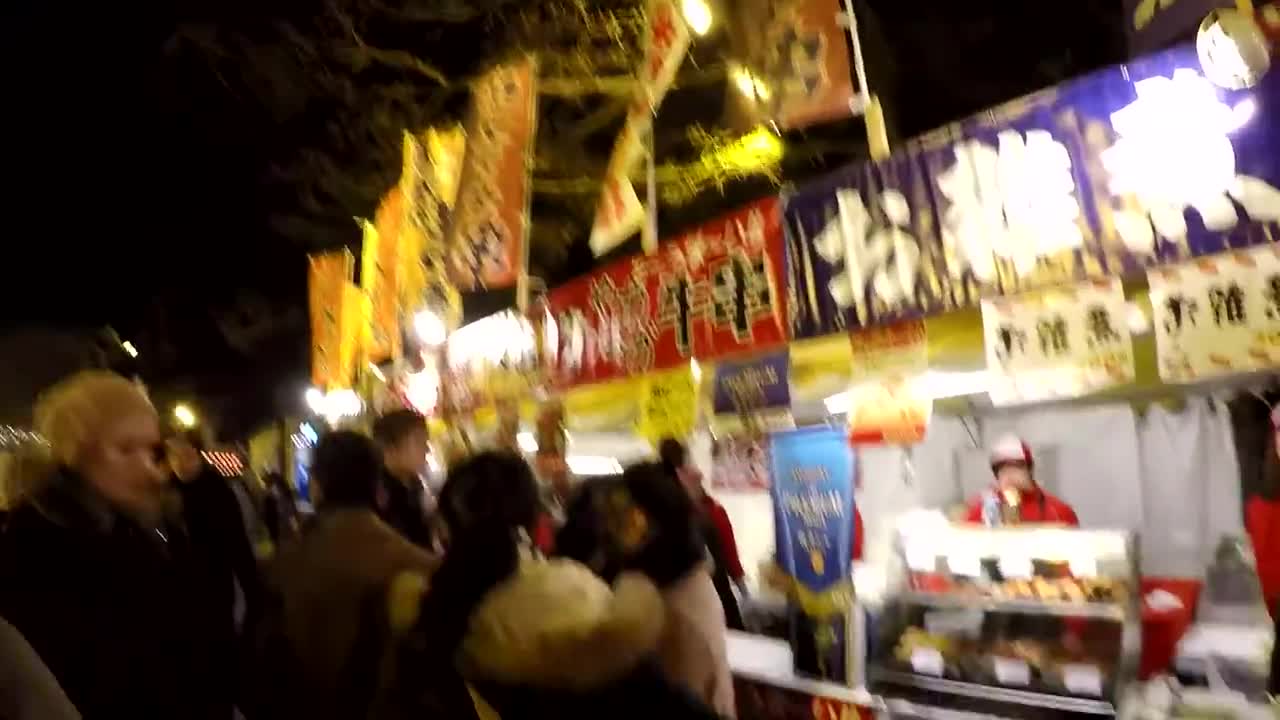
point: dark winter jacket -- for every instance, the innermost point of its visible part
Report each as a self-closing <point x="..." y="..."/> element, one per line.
<point x="321" y="642"/>
<point x="217" y="531"/>
<point x="116" y="610"/>
<point x="403" y="508"/>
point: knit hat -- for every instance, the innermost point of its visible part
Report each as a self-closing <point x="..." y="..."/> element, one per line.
<point x="1010" y="449"/>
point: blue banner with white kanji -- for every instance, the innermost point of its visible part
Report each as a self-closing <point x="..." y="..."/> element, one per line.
<point x="1136" y="165"/>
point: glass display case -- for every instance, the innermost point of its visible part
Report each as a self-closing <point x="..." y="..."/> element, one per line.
<point x="1010" y="622"/>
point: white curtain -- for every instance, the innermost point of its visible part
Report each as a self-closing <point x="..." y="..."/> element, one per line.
<point x="1092" y="460"/>
<point x="1191" y="480"/>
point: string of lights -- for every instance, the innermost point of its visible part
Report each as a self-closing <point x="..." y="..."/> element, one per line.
<point x="227" y="463"/>
<point x="14" y="437"/>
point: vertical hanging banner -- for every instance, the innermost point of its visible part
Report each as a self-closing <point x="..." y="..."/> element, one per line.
<point x="380" y="275"/>
<point x="1217" y="315"/>
<point x="668" y="406"/>
<point x="433" y="164"/>
<point x="619" y="214"/>
<point x="813" y="504"/>
<point x="327" y="276"/>
<point x="353" y="319"/>
<point x="712" y="292"/>
<point x="887" y="403"/>
<point x="1058" y="343"/>
<point x="796" y="61"/>
<point x="488" y="233"/>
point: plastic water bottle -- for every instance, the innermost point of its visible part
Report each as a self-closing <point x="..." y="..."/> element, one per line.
<point x="991" y="509"/>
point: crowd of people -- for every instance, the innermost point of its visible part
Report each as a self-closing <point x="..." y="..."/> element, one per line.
<point x="133" y="583"/>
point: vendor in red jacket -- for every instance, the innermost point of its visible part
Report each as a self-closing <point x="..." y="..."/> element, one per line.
<point x="1015" y="495"/>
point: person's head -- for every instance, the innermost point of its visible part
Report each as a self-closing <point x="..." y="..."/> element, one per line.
<point x="666" y="542"/>
<point x="402" y="436"/>
<point x="185" y="452"/>
<point x="488" y="502"/>
<point x="345" y="468"/>
<point x="1013" y="464"/>
<point x="104" y="428"/>
<point x="492" y="495"/>
<point x="675" y="460"/>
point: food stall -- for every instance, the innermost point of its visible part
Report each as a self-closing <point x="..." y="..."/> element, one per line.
<point x="1014" y="621"/>
<point x="1063" y="267"/>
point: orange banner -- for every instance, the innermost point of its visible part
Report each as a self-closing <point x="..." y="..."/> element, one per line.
<point x="887" y="403"/>
<point x="620" y="213"/>
<point x="328" y="274"/>
<point x="795" y="62"/>
<point x="488" y="234"/>
<point x="353" y="331"/>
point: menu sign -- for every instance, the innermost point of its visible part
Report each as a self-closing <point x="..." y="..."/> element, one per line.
<point x="1217" y="315"/>
<point x="711" y="292"/>
<point x="1057" y="343"/>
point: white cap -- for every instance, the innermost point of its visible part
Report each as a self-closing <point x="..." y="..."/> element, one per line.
<point x="1010" y="448"/>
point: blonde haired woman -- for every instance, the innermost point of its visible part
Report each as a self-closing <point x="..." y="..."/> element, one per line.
<point x="92" y="573"/>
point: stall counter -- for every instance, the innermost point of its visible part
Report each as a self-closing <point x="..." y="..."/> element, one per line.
<point x="768" y="687"/>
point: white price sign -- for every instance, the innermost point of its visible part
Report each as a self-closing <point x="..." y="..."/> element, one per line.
<point x="1012" y="672"/>
<point x="1082" y="680"/>
<point x="927" y="661"/>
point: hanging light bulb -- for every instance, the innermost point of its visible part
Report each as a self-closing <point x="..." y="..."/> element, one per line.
<point x="697" y="13"/>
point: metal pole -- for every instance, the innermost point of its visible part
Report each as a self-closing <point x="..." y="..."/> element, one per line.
<point x="873" y="113"/>
<point x="649" y="237"/>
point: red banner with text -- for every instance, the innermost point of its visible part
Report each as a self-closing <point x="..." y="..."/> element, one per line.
<point x="714" y="291"/>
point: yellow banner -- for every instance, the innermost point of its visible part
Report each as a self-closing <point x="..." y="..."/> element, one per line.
<point x="887" y="403"/>
<point x="669" y="405"/>
<point x="380" y="276"/>
<point x="430" y="182"/>
<point x="1217" y="315"/>
<point x="354" y="333"/>
<point x="328" y="275"/>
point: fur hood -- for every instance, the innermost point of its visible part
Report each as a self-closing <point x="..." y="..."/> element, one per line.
<point x="556" y="625"/>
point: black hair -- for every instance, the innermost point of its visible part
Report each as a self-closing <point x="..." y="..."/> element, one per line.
<point x="346" y="467"/>
<point x="490" y="493"/>
<point x="676" y="545"/>
<point x="586" y="536"/>
<point x="673" y="454"/>
<point x="486" y="502"/>
<point x="393" y="427"/>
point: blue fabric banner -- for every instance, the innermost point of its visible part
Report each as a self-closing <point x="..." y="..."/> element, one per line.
<point x="760" y="383"/>
<point x="813" y="484"/>
<point x="813" y="481"/>
<point x="1132" y="166"/>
